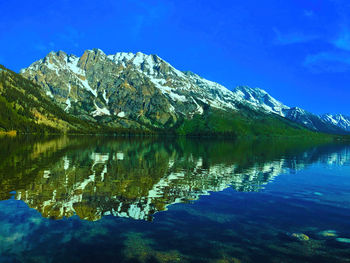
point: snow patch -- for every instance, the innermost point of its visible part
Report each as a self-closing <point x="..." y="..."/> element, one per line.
<point x="47" y="174"/>
<point x="49" y="93"/>
<point x="138" y="59"/>
<point x="87" y="86"/>
<point x="104" y="95"/>
<point x="66" y="163"/>
<point x="68" y="102"/>
<point x="52" y="67"/>
<point x="72" y="65"/>
<point x="68" y="105"/>
<point x="120" y="156"/>
<point x="121" y="114"/>
<point x="100" y="111"/>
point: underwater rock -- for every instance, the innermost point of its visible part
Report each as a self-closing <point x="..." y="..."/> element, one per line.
<point x="343" y="240"/>
<point x="328" y="233"/>
<point x="300" y="236"/>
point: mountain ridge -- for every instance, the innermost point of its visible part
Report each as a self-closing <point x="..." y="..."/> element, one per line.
<point x="139" y="91"/>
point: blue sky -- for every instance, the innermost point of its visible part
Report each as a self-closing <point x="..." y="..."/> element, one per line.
<point x="298" y="51"/>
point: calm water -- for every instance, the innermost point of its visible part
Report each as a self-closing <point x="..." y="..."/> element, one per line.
<point x="94" y="199"/>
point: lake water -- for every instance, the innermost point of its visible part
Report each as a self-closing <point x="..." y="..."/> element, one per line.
<point x="99" y="199"/>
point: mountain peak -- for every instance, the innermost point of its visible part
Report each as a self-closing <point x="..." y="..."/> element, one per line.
<point x="251" y="90"/>
<point x="57" y="54"/>
<point x="95" y="51"/>
<point x="259" y="98"/>
<point x="136" y="58"/>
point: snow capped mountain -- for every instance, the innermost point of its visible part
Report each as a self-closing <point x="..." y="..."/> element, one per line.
<point x="260" y="99"/>
<point x="301" y="116"/>
<point x="129" y="90"/>
<point x="338" y="120"/>
<point x="137" y="87"/>
<point x="171" y="82"/>
<point x="63" y="66"/>
<point x="62" y="71"/>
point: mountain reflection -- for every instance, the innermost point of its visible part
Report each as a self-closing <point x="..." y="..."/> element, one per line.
<point x="92" y="177"/>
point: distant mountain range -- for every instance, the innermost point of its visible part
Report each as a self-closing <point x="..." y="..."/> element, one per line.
<point x="138" y="91"/>
<point x="260" y="99"/>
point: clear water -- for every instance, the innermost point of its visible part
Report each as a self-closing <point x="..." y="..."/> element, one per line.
<point x="95" y="199"/>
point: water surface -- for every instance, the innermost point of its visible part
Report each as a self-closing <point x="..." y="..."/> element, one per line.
<point x="92" y="199"/>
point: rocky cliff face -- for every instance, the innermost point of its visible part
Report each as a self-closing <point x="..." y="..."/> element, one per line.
<point x="125" y="86"/>
<point x="133" y="90"/>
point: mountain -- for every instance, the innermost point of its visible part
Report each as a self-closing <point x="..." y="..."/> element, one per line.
<point x="24" y="107"/>
<point x="143" y="91"/>
<point x="261" y="100"/>
<point x="125" y="86"/>
<point x="338" y="120"/>
<point x="313" y="121"/>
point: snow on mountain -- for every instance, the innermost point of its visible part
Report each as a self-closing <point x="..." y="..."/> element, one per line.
<point x="259" y="98"/>
<point x="147" y="88"/>
<point x="125" y="84"/>
<point x="177" y="86"/>
<point x="303" y="117"/>
<point x="172" y="82"/>
<point x="338" y="120"/>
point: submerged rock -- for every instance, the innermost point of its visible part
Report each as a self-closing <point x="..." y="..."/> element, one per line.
<point x="300" y="236"/>
<point x="343" y="240"/>
<point x="328" y="233"/>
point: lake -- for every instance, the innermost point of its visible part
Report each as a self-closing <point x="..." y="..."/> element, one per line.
<point x="95" y="199"/>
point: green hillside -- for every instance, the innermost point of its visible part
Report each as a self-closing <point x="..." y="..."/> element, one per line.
<point x="25" y="108"/>
<point x="244" y="123"/>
